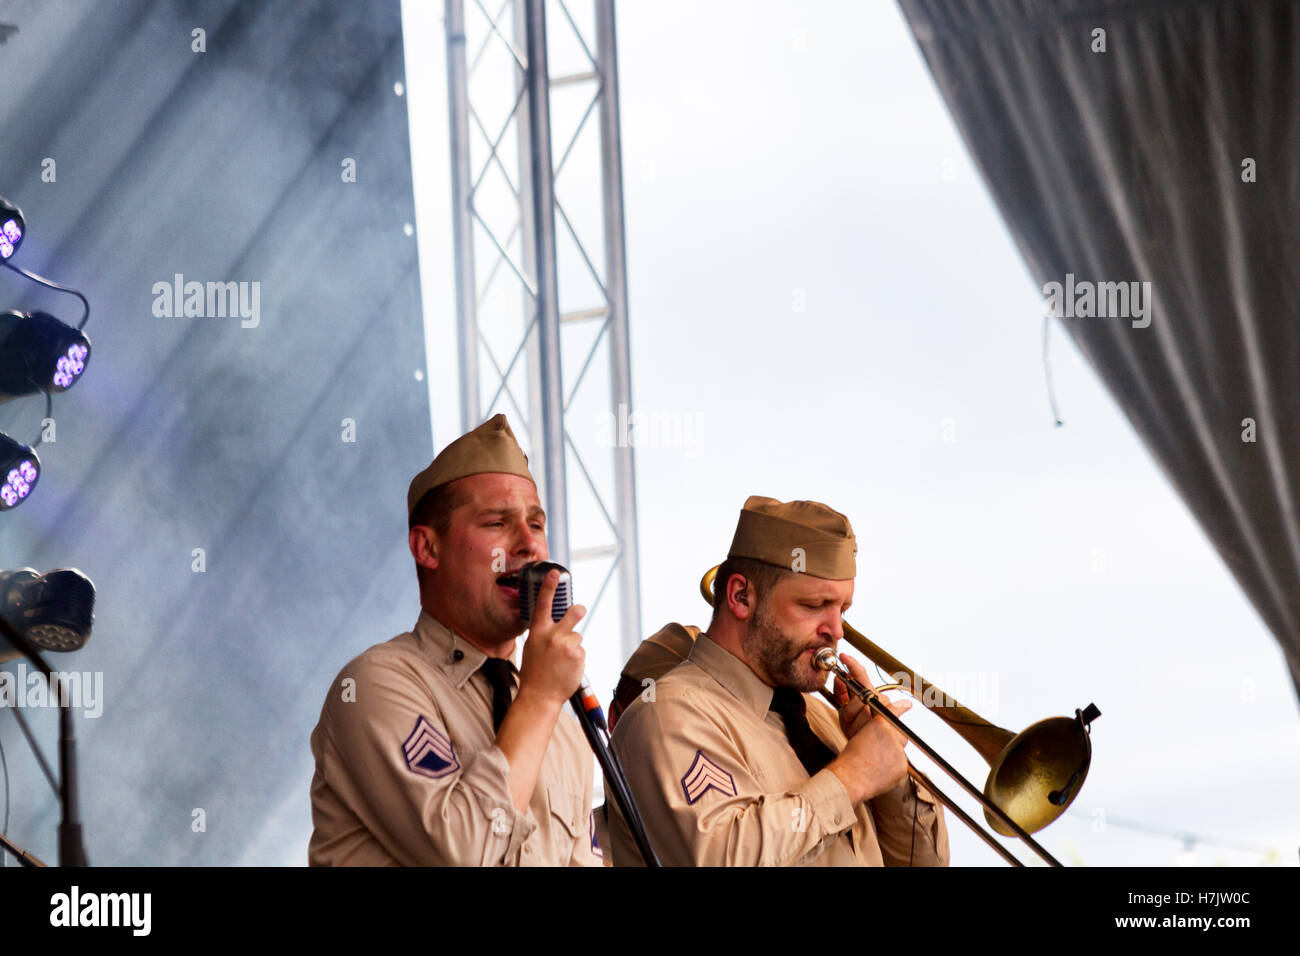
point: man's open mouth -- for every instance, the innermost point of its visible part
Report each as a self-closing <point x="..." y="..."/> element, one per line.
<point x="509" y="582"/>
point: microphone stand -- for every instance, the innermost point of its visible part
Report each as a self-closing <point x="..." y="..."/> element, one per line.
<point x="586" y="705"/>
<point x="71" y="850"/>
<point x="592" y="720"/>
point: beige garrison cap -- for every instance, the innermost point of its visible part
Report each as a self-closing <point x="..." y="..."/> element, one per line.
<point x="661" y="652"/>
<point x="801" y="536"/>
<point x="489" y="448"/>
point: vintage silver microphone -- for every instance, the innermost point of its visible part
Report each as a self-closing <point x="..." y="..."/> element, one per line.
<point x="530" y="578"/>
<point x="585" y="702"/>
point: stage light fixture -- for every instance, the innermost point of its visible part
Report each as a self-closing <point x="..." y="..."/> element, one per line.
<point x="55" y="610"/>
<point x="39" y="353"/>
<point x="20" y="469"/>
<point x="12" y="228"/>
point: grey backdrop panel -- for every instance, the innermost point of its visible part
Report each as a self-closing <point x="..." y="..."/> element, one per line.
<point x="1126" y="165"/>
<point x="198" y="432"/>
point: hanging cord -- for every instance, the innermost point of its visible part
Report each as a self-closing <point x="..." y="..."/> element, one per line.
<point x="1047" y="370"/>
<point x="53" y="285"/>
<point x="4" y="769"/>
<point x="911" y="854"/>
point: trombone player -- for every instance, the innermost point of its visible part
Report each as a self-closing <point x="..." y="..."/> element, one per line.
<point x="727" y="760"/>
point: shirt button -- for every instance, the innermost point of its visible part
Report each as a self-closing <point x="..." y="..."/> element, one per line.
<point x="458" y="655"/>
<point x="837" y="818"/>
<point x="527" y="849"/>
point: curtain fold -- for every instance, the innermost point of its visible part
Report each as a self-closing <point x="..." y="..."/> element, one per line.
<point x="1156" y="142"/>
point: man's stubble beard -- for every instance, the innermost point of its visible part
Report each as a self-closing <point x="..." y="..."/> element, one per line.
<point x="506" y="623"/>
<point x="777" y="655"/>
<point x="488" y="620"/>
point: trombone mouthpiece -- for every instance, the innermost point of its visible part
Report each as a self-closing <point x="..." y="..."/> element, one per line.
<point x="826" y="660"/>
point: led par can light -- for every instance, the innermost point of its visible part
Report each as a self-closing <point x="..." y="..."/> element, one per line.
<point x="55" y="610"/>
<point x="12" y="228"/>
<point x="20" y="469"/>
<point x="39" y="353"/>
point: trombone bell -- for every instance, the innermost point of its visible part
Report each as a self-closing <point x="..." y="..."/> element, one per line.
<point x="1039" y="772"/>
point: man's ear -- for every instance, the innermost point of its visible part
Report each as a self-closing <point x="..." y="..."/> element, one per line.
<point x="424" y="546"/>
<point x="738" y="596"/>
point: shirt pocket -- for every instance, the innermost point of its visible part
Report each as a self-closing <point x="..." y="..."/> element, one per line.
<point x="568" y="821"/>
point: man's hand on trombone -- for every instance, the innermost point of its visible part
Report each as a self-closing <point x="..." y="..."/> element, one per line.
<point x="874" y="761"/>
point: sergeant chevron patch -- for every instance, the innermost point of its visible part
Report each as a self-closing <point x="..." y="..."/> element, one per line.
<point x="705" y="775"/>
<point x="429" y="752"/>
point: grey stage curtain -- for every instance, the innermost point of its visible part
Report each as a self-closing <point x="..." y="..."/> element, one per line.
<point x="1127" y="165"/>
<point x="200" y="433"/>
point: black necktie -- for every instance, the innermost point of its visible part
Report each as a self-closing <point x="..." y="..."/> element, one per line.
<point x="808" y="747"/>
<point x="498" y="671"/>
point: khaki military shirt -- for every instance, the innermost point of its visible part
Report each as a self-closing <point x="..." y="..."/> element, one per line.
<point x="718" y="784"/>
<point x="408" y="771"/>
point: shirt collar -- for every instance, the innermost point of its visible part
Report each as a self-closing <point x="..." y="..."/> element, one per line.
<point x="732" y="673"/>
<point x="457" y="657"/>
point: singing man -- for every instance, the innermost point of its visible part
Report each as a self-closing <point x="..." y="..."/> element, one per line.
<point x="443" y="746"/>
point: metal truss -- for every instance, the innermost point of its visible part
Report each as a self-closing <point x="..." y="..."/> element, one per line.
<point x="541" y="315"/>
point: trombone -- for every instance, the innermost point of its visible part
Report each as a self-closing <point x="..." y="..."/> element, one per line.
<point x="1033" y="775"/>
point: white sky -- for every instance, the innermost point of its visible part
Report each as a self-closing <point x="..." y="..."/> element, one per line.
<point x="782" y="153"/>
